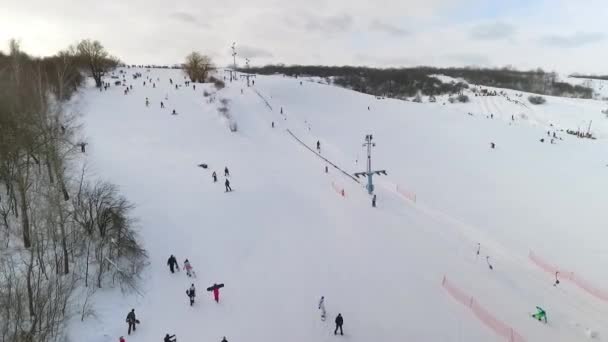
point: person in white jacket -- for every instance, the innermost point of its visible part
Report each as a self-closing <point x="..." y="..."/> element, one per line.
<point x="322" y="307"/>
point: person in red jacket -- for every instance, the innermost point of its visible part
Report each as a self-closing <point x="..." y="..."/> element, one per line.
<point x="216" y="291"/>
<point x="122" y="339"/>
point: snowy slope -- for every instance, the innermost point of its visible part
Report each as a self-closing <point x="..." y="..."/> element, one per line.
<point x="285" y="237"/>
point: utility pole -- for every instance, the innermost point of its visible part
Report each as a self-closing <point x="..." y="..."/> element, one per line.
<point x="234" y="56"/>
<point x="369" y="173"/>
<point x="247" y="63"/>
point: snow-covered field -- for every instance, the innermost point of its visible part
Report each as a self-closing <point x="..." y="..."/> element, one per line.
<point x="285" y="236"/>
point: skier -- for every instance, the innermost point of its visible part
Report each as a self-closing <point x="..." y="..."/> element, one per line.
<point x="188" y="268"/>
<point x="318" y="146"/>
<point x="374" y="201"/>
<point x="540" y="314"/>
<point x="162" y="105"/>
<point x="492" y="145"/>
<point x="272" y="124"/>
<point x="226" y="172"/>
<point x="281" y="110"/>
<point x="227" y="184"/>
<point x="339" y="322"/>
<point x="322" y="307"/>
<point x="147" y="102"/>
<point x="216" y="291"/>
<point x="169" y="338"/>
<point x="326" y="169"/>
<point x="191" y="293"/>
<point x="172" y="262"/>
<point x="131" y="320"/>
<point x="214" y="175"/>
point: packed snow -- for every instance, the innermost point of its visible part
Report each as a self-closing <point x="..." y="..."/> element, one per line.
<point x="290" y="233"/>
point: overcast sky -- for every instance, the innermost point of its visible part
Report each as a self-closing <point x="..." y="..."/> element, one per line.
<point x="560" y="35"/>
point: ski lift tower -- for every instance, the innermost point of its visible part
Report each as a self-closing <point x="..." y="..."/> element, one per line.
<point x="369" y="173"/>
<point x="248" y="76"/>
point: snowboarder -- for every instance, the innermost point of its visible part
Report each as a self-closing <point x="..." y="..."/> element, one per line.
<point x="169" y="338"/>
<point x="131" y="320"/>
<point x="188" y="268"/>
<point x="318" y="146"/>
<point x="227" y="184"/>
<point x="374" y="201"/>
<point x="339" y="322"/>
<point x="224" y="339"/>
<point x="540" y="314"/>
<point x="322" y="307"/>
<point x="226" y="172"/>
<point x="191" y="293"/>
<point x="216" y="291"/>
<point x="172" y="262"/>
<point x="122" y="339"/>
<point x="214" y="175"/>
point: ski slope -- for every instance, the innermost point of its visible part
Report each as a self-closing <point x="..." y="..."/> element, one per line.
<point x="287" y="236"/>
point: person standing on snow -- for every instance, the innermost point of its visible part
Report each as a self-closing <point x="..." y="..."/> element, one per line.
<point x="216" y="291"/>
<point x="122" y="339"/>
<point x="226" y="172"/>
<point x="318" y="146"/>
<point x="191" y="292"/>
<point x="131" y="320"/>
<point x="188" y="268"/>
<point x="214" y="175"/>
<point x="227" y="184"/>
<point x="322" y="307"/>
<point x="224" y="339"/>
<point x="339" y="323"/>
<point x="172" y="262"/>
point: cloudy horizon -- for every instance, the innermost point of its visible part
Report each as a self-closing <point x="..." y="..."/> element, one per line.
<point x="558" y="35"/>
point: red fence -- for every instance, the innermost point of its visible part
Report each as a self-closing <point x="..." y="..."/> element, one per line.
<point x="338" y="189"/>
<point x="482" y="314"/>
<point x="407" y="194"/>
<point x="566" y="275"/>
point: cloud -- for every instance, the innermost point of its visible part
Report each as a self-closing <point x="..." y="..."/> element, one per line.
<point x="468" y="59"/>
<point x="253" y="52"/>
<point x="492" y="31"/>
<point x="378" y="25"/>
<point x="330" y="24"/>
<point x="574" y="40"/>
<point x="188" y="18"/>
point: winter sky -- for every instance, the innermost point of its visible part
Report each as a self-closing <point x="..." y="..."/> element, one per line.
<point x="561" y="35"/>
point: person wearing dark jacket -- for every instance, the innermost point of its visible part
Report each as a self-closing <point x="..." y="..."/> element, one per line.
<point x="227" y="184"/>
<point x="226" y="172"/>
<point x="191" y="292"/>
<point x="169" y="338"/>
<point x="339" y="322"/>
<point x="214" y="175"/>
<point x="131" y="320"/>
<point x="172" y="262"/>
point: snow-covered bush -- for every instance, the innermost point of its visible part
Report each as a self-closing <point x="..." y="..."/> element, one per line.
<point x="417" y="98"/>
<point x="463" y="98"/>
<point x="537" y="100"/>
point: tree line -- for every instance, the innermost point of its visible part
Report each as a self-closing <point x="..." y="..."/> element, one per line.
<point x="62" y="232"/>
<point x="406" y="82"/>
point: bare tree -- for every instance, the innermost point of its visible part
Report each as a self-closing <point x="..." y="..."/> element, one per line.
<point x="198" y="66"/>
<point x="96" y="58"/>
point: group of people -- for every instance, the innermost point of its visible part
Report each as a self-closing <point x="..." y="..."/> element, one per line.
<point x="339" y="319"/>
<point x="226" y="182"/>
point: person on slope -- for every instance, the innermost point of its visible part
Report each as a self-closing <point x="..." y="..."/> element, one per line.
<point x="191" y="293"/>
<point x="540" y="314"/>
<point x="226" y="172"/>
<point x="227" y="184"/>
<point x="188" y="268"/>
<point x="172" y="262"/>
<point x="224" y="339"/>
<point x="339" y="323"/>
<point x="169" y="338"/>
<point x="132" y="321"/>
<point x="318" y="146"/>
<point x="122" y="339"/>
<point x="322" y="307"/>
<point x="214" y="175"/>
<point x="216" y="291"/>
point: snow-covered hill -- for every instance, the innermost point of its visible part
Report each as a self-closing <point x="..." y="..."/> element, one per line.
<point x="287" y="235"/>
